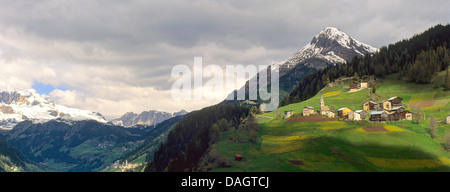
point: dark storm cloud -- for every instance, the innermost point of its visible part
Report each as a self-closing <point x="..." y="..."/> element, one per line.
<point x="136" y="43"/>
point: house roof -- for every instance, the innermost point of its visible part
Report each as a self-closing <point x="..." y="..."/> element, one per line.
<point x="308" y="107"/>
<point x="324" y="108"/>
<point x="359" y="111"/>
<point x="342" y="108"/>
<point x="395" y="108"/>
<point x="377" y="112"/>
<point x="392" y="98"/>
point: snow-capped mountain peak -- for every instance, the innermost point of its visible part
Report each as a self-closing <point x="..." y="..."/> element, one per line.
<point x="18" y="106"/>
<point x="330" y="46"/>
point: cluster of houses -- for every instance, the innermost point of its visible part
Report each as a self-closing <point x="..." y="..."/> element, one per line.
<point x="125" y="166"/>
<point x="388" y="110"/>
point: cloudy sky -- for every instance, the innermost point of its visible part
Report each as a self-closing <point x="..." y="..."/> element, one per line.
<point x="116" y="56"/>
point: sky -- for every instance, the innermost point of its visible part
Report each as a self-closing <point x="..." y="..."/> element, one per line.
<point x="114" y="57"/>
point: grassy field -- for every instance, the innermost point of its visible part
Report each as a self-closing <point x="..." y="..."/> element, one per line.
<point x="345" y="146"/>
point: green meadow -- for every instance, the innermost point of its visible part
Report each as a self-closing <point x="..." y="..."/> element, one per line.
<point x="345" y="145"/>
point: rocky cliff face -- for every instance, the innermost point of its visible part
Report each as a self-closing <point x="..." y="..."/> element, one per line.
<point x="151" y="117"/>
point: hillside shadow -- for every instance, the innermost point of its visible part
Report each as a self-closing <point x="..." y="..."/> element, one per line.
<point x="372" y="157"/>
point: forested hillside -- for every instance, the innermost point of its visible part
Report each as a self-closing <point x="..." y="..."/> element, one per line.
<point x="192" y="136"/>
<point x="11" y="159"/>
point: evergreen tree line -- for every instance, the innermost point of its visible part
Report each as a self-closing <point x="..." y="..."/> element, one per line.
<point x="416" y="59"/>
<point x="192" y="136"/>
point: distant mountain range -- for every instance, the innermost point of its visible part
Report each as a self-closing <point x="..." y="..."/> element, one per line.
<point x="151" y="117"/>
<point x="18" y="106"/>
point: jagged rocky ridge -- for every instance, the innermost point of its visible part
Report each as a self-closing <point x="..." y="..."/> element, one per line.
<point x="151" y="117"/>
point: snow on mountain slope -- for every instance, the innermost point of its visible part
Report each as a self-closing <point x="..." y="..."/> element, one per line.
<point x="151" y="117"/>
<point x="18" y="106"/>
<point x="332" y="46"/>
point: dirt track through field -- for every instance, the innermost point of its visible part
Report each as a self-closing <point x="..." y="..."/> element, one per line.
<point x="422" y="104"/>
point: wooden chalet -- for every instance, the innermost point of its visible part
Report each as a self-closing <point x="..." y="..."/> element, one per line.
<point x="396" y="101"/>
<point x="406" y="115"/>
<point x="385" y="105"/>
<point x="370" y="105"/>
<point x="378" y="116"/>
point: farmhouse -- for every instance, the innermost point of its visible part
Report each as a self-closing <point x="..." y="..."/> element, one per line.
<point x="323" y="109"/>
<point x="447" y="119"/>
<point x="342" y="112"/>
<point x="395" y="114"/>
<point x="369" y="106"/>
<point x="362" y="114"/>
<point x="363" y="85"/>
<point x="378" y="116"/>
<point x="386" y="105"/>
<point x="288" y="114"/>
<point x="396" y="101"/>
<point x="354" y="116"/>
<point x="330" y="114"/>
<point x="308" y="110"/>
<point x="407" y="115"/>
